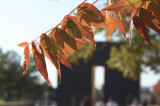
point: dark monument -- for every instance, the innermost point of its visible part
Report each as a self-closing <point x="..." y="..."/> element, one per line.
<point x="77" y="84"/>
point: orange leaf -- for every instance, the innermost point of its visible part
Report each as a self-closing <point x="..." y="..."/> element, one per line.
<point x="60" y="36"/>
<point x="110" y="28"/>
<point x="64" y="59"/>
<point x="81" y="42"/>
<point x="120" y="26"/>
<point x="40" y="60"/>
<point x="157" y="2"/>
<point x="125" y="6"/>
<point x="71" y="26"/>
<point x="62" y="56"/>
<point x="121" y="17"/>
<point x="26" y="56"/>
<point x="23" y="44"/>
<point x="49" y="48"/>
<point x="56" y="35"/>
<point x="91" y="14"/>
<point x="24" y="68"/>
<point x="68" y="49"/>
<point x="59" y="71"/>
<point x="140" y="26"/>
<point x="155" y="10"/>
<point x="149" y="19"/>
<point x="132" y="15"/>
<point x="87" y="30"/>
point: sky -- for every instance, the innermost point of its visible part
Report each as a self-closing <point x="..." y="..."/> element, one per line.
<point x="25" y="20"/>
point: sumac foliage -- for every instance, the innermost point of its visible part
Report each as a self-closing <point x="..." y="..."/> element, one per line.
<point x="64" y="39"/>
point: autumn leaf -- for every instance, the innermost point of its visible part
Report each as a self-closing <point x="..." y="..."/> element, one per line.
<point x="157" y="2"/>
<point x="64" y="59"/>
<point x="120" y="26"/>
<point x="122" y="18"/>
<point x="68" y="49"/>
<point x="87" y="33"/>
<point x="91" y="14"/>
<point x="132" y="15"/>
<point x="56" y="35"/>
<point x="62" y="56"/>
<point x="49" y="48"/>
<point x="149" y="19"/>
<point x="71" y="27"/>
<point x="125" y="6"/>
<point x="59" y="71"/>
<point x="110" y="27"/>
<point x="23" y="44"/>
<point x="24" y="68"/>
<point x="61" y="36"/>
<point x="40" y="60"/>
<point x="81" y="42"/>
<point x="113" y="22"/>
<point x="140" y="26"/>
<point x="154" y="9"/>
<point x="26" y="56"/>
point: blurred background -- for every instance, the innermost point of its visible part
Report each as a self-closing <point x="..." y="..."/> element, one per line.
<point x="110" y="72"/>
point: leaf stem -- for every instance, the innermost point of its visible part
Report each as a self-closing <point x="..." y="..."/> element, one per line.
<point x="94" y="2"/>
<point x="132" y="4"/>
<point x="63" y="19"/>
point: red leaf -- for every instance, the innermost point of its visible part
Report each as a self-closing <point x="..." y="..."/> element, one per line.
<point x="120" y="26"/>
<point x="140" y="26"/>
<point x="91" y="14"/>
<point x="157" y="2"/>
<point x="86" y="29"/>
<point x="56" y="35"/>
<point x="26" y="56"/>
<point x="62" y="56"/>
<point x="60" y="36"/>
<point x="132" y="15"/>
<point x="23" y="44"/>
<point x="24" y="68"/>
<point x="49" y="48"/>
<point x="64" y="59"/>
<point x="110" y="28"/>
<point x="149" y="19"/>
<point x="155" y="10"/>
<point x="59" y="71"/>
<point x="81" y="42"/>
<point x="68" y="49"/>
<point x="40" y="60"/>
<point x="125" y="6"/>
<point x="71" y="26"/>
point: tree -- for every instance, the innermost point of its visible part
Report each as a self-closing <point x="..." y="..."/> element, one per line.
<point x="133" y="62"/>
<point x="13" y="83"/>
<point x="57" y="43"/>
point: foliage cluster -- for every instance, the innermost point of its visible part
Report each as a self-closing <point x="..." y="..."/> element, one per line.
<point x="57" y="43"/>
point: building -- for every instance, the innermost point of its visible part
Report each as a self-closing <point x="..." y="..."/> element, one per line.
<point x="79" y="83"/>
